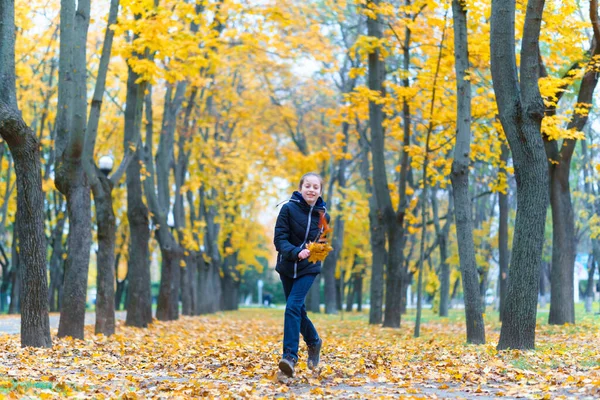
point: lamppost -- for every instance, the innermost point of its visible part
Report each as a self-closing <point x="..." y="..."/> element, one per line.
<point x="106" y="163"/>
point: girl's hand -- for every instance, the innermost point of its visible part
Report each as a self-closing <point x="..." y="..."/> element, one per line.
<point x="304" y="254"/>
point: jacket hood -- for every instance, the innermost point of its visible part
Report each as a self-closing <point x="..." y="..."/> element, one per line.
<point x="297" y="198"/>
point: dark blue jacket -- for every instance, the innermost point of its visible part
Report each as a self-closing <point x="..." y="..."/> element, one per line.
<point x="297" y="224"/>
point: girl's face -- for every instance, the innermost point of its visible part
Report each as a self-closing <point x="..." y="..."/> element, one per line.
<point x="311" y="189"/>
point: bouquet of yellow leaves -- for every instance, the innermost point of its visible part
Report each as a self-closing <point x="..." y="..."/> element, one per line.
<point x="319" y="249"/>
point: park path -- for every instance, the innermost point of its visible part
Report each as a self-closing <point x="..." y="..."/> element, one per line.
<point x="11" y="324"/>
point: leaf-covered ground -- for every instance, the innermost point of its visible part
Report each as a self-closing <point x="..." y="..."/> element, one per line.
<point x="234" y="355"/>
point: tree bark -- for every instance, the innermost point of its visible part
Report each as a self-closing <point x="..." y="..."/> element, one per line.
<point x="358" y="287"/>
<point x="231" y="284"/>
<point x="167" y="308"/>
<point x="102" y="190"/>
<point x="329" y="266"/>
<point x="442" y="239"/>
<point x="57" y="272"/>
<point x="105" y="277"/>
<point x="139" y="298"/>
<point x="394" y="221"/>
<point x="562" y="302"/>
<point x="15" y="275"/>
<point x="377" y="235"/>
<point x="25" y="150"/>
<point x="209" y="280"/>
<point x="71" y="178"/>
<point x="521" y="111"/>
<point x="460" y="180"/>
<point x="504" y="254"/>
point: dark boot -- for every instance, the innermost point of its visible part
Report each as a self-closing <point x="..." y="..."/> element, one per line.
<point x="286" y="365"/>
<point x="314" y="352"/>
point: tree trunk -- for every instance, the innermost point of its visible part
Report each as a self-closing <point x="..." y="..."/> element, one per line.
<point x="521" y="110"/>
<point x="15" y="275"/>
<point x="394" y="221"/>
<point x="158" y="199"/>
<point x="313" y="300"/>
<point x="504" y="254"/>
<point x="57" y="272"/>
<point x="562" y="301"/>
<point x="544" y="291"/>
<point x="231" y="287"/>
<point x="102" y="190"/>
<point x="460" y="181"/>
<point x="351" y="293"/>
<point x="442" y="241"/>
<point x="589" y="290"/>
<point x="139" y="298"/>
<point x="71" y="178"/>
<point x="4" y="294"/>
<point x="188" y="284"/>
<point x="329" y="266"/>
<point x="25" y="150"/>
<point x="358" y="284"/>
<point x="209" y="299"/>
<point x="105" y="260"/>
<point x="377" y="234"/>
<point x="213" y="292"/>
<point x="167" y="308"/>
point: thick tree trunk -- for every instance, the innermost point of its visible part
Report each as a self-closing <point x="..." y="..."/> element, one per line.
<point x="105" y="260"/>
<point x="139" y="298"/>
<point x="209" y="298"/>
<point x="71" y="177"/>
<point x="25" y="150"/>
<point x="230" y="297"/>
<point x="460" y="181"/>
<point x="72" y="312"/>
<point x="521" y="111"/>
<point x="188" y="284"/>
<point x="504" y="254"/>
<point x="167" y="308"/>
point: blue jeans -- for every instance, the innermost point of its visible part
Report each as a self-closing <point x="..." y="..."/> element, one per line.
<point x="296" y="321"/>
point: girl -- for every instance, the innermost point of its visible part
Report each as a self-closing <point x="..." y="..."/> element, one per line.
<point x="297" y="225"/>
